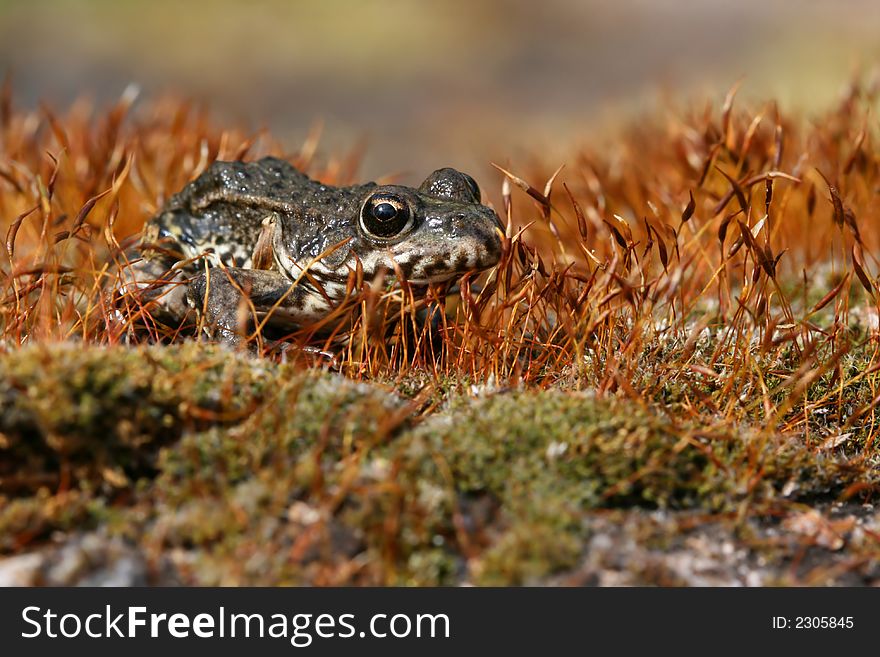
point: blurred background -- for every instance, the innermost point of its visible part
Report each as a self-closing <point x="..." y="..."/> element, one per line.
<point x="430" y="84"/>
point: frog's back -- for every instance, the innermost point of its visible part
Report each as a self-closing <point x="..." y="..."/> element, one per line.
<point x="266" y="182"/>
<point x="222" y="210"/>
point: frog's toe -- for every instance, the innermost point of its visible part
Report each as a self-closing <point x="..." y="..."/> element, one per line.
<point x="216" y="301"/>
<point x="149" y="289"/>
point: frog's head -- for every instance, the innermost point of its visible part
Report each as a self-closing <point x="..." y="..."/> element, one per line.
<point x="433" y="233"/>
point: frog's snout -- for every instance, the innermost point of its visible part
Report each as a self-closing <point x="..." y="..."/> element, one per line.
<point x="478" y="245"/>
<point x="490" y="233"/>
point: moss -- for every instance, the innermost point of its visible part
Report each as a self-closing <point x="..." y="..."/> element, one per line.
<point x="542" y="459"/>
<point x="90" y="414"/>
<point x="527" y="553"/>
<point x="238" y="493"/>
<point x="257" y="473"/>
<point x="246" y="471"/>
<point x="570" y="446"/>
<point x="29" y="520"/>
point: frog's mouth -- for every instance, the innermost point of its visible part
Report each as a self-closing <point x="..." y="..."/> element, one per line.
<point x="425" y="282"/>
<point x="427" y="270"/>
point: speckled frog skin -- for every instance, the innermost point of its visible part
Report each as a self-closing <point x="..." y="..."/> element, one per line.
<point x="263" y="223"/>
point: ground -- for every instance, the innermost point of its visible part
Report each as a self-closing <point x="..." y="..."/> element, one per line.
<point x="671" y="377"/>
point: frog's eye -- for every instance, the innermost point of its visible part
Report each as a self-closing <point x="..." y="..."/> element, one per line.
<point x="475" y="188"/>
<point x="384" y="216"/>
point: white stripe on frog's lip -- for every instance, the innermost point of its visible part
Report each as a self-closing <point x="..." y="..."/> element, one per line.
<point x="371" y="262"/>
<point x="438" y="278"/>
<point x="421" y="282"/>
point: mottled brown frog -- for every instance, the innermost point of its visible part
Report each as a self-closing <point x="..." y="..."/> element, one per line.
<point x="289" y="243"/>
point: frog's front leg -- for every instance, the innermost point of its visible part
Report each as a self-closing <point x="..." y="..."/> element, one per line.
<point x="228" y="297"/>
<point x="146" y="291"/>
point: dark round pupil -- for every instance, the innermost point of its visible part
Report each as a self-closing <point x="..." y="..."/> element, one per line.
<point x="383" y="217"/>
<point x="384" y="211"/>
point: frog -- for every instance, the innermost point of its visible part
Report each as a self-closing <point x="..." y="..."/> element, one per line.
<point x="266" y="232"/>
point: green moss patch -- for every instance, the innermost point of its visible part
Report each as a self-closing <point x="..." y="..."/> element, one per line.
<point x="241" y="471"/>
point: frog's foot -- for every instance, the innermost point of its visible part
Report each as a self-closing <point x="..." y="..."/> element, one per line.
<point x="150" y="287"/>
<point x="233" y="301"/>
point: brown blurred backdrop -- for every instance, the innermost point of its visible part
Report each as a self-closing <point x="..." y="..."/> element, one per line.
<point x="429" y="84"/>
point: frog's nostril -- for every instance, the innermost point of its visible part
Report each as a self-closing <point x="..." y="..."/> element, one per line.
<point x="461" y="220"/>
